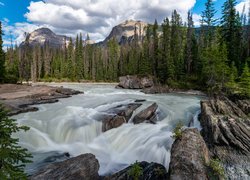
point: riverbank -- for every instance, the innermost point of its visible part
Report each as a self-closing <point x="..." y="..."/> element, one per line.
<point x="19" y="98"/>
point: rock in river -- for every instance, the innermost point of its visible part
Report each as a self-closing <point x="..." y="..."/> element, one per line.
<point x="189" y="156"/>
<point x="147" y="115"/>
<point x="148" y="171"/>
<point x="85" y="166"/>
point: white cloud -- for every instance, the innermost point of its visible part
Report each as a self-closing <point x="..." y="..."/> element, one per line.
<point x="196" y="19"/>
<point x="240" y="6"/>
<point x="2" y="4"/>
<point x="97" y="17"/>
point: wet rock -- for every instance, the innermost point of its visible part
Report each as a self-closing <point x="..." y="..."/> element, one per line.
<point x="135" y="82"/>
<point x="140" y="100"/>
<point x="147" y="115"/>
<point x="150" y="171"/>
<point x="85" y="166"/>
<point x="226" y="130"/>
<point x="67" y="91"/>
<point x="189" y="156"/>
<point x="156" y="90"/>
<point x="119" y="115"/>
<point x="112" y="122"/>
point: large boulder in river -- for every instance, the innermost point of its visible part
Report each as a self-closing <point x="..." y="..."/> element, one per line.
<point x="85" y="166"/>
<point x="189" y="156"/>
<point x="147" y="115"/>
<point x="146" y="171"/>
<point x="135" y="82"/>
<point x="118" y="116"/>
<point x="226" y="130"/>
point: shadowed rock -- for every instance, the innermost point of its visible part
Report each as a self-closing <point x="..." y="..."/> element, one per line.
<point x="147" y="115"/>
<point x="150" y="171"/>
<point x="85" y="166"/>
<point x="189" y="156"/>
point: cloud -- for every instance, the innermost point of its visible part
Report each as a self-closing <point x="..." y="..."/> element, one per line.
<point x="240" y="6"/>
<point x="97" y="17"/>
<point x="2" y="4"/>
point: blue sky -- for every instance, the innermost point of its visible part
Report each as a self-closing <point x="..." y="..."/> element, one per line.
<point x="94" y="17"/>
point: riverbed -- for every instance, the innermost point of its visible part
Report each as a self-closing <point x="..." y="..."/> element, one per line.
<point x="72" y="126"/>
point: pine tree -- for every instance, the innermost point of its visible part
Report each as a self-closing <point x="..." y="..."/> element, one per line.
<point x="231" y="32"/>
<point x="245" y="81"/>
<point x="12" y="156"/>
<point x="209" y="21"/>
<point x="155" y="48"/>
<point x="2" y="57"/>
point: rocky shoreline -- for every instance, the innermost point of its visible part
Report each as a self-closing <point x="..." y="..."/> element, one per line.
<point x="18" y="98"/>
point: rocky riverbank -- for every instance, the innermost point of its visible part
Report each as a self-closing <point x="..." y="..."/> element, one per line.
<point x="149" y="85"/>
<point x="18" y="98"/>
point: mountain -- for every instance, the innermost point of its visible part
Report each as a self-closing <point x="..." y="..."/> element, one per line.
<point x="125" y="31"/>
<point x="42" y="35"/>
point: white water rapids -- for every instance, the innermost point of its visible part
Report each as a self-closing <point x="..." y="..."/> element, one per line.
<point x="72" y="126"/>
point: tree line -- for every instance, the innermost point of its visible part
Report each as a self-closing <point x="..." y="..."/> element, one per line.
<point x="213" y="56"/>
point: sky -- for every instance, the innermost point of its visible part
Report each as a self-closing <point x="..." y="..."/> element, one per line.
<point x="95" y="17"/>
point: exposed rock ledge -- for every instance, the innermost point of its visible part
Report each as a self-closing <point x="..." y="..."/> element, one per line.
<point x="18" y="98"/>
<point x="226" y="130"/>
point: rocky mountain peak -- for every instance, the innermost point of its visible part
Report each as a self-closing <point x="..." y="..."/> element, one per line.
<point x="126" y="31"/>
<point x="42" y="35"/>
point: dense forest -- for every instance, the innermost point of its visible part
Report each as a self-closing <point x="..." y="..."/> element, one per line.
<point x="215" y="56"/>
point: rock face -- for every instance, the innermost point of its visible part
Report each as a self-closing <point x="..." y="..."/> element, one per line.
<point x="44" y="35"/>
<point x="85" y="166"/>
<point x="147" y="115"/>
<point x="121" y="115"/>
<point x="135" y="82"/>
<point x="226" y="130"/>
<point x="124" y="32"/>
<point x="189" y="156"/>
<point x="150" y="171"/>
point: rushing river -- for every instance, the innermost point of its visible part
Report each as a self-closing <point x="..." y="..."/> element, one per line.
<point x="72" y="125"/>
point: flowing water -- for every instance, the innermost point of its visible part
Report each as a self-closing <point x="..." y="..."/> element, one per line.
<point x="73" y="125"/>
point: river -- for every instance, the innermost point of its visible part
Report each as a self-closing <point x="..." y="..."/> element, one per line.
<point x="72" y="125"/>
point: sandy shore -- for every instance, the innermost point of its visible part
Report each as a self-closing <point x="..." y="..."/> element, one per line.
<point x="18" y="98"/>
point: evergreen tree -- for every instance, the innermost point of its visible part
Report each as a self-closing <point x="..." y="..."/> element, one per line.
<point x="231" y="32"/>
<point x="12" y="156"/>
<point x="155" y="49"/>
<point x="245" y="81"/>
<point x="2" y="56"/>
<point x="209" y="21"/>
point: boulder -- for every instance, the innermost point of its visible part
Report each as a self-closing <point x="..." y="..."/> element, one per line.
<point x="156" y="90"/>
<point x="189" y="156"/>
<point x="112" y="122"/>
<point x="135" y="82"/>
<point x="149" y="171"/>
<point x="85" y="166"/>
<point x="146" y="115"/>
<point x="118" y="116"/>
<point x="226" y="130"/>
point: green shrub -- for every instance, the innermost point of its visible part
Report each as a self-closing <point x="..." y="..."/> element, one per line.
<point x="177" y="132"/>
<point x="136" y="171"/>
<point x="216" y="168"/>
